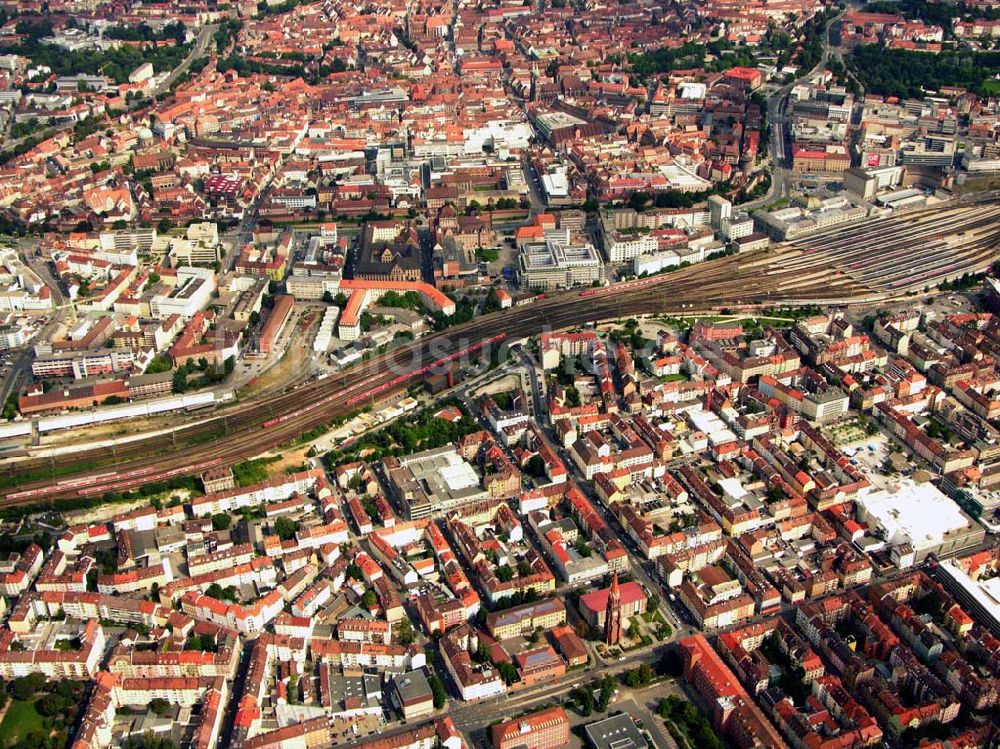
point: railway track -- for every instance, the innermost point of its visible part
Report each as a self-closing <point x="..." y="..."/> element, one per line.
<point x="241" y="434"/>
<point x="791" y="274"/>
<point x="907" y="252"/>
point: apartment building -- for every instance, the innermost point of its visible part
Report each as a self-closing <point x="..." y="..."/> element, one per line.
<point x="622" y="245"/>
<point x="518" y="620"/>
<point x="54" y="664"/>
<point x="544" y="729"/>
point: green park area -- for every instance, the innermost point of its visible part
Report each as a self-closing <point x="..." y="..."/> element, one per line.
<point x="21" y="720"/>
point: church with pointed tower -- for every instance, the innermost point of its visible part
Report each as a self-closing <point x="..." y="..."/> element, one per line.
<point x="613" y="615"/>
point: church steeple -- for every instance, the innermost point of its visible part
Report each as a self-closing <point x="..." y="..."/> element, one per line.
<point x="613" y="614"/>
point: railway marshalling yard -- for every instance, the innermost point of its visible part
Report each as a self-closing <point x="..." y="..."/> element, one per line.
<point x="905" y="253"/>
<point x="868" y="263"/>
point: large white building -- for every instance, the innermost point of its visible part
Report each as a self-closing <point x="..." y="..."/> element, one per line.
<point x="719" y="209"/>
<point x="58" y="664"/>
<point x="192" y="294"/>
<point x="121" y="247"/>
<point x="557" y="263"/>
<point x="737" y="226"/>
<point x="199" y="247"/>
<point x="867" y="182"/>
<point x="797" y="221"/>
<point x="502" y="136"/>
<point x="247" y="620"/>
<point x="325" y="332"/>
<point x="623" y="245"/>
<point x="141" y="74"/>
<point x="556" y="185"/>
<point x="980" y="597"/>
<point x="919" y="515"/>
<point x="267" y="491"/>
<point x="655" y="262"/>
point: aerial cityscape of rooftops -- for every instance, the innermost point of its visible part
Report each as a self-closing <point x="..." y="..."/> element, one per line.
<point x="500" y="374"/>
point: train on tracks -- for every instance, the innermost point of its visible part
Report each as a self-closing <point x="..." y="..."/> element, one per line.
<point x="366" y="391"/>
<point x="620" y="287"/>
<point x="100" y="483"/>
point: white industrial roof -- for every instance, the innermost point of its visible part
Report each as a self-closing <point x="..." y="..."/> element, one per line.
<point x="919" y="514"/>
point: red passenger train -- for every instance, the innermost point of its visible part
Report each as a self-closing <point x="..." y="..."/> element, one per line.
<point x="619" y="287"/>
<point x="370" y="393"/>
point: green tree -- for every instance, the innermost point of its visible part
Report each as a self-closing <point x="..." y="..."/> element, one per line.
<point x="906" y="73"/>
<point x="482" y="653"/>
<point x="584" y="697"/>
<point x="219" y="593"/>
<point x="221" y="521"/>
<point x="160" y="363"/>
<point x="608" y="690"/>
<point x="214" y="591"/>
<point x="404" y="633"/>
<point x="50" y="705"/>
<point x="572" y="397"/>
<point x="508" y="672"/>
<point x="10" y="407"/>
<point x="639" y="677"/>
<point x="180" y="384"/>
<point x="148" y="741"/>
<point x="24" y="687"/>
<point x="285" y="528"/>
<point x="535" y="466"/>
<point x="437" y="690"/>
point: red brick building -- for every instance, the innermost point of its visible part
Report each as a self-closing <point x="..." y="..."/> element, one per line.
<point x="733" y="712"/>
<point x="613" y="615"/>
<point x="594" y="605"/>
<point x="275" y="323"/>
<point x="539" y="666"/>
<point x="569" y="645"/>
<point x="748" y="79"/>
<point x="546" y="729"/>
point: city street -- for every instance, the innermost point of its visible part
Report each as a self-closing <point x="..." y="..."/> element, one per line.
<point x="205" y="37"/>
<point x="17" y="376"/>
<point x="415" y="379"/>
<point x="470" y="716"/>
<point x="781" y="173"/>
